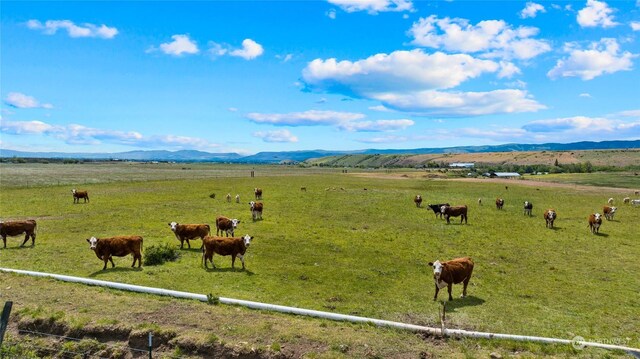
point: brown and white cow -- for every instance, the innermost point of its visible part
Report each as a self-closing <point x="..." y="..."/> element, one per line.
<point x="549" y="217"/>
<point x="610" y="201"/>
<point x="119" y="246"/>
<point x="417" y="200"/>
<point x="226" y="225"/>
<point x="16" y="228"/>
<point x="499" y="203"/>
<point x="609" y="212"/>
<point x="225" y="246"/>
<point x="595" y="221"/>
<point x="455" y="271"/>
<point x="635" y="202"/>
<point x="454" y="211"/>
<point x="528" y="207"/>
<point x="256" y="210"/>
<point x="237" y="198"/>
<point x="626" y="200"/>
<point x="258" y="193"/>
<point x="186" y="232"/>
<point x="228" y="197"/>
<point x="80" y="194"/>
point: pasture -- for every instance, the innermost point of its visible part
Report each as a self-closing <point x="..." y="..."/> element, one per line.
<point x="350" y="244"/>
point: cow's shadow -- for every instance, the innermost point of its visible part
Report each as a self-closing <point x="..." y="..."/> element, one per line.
<point x="112" y="270"/>
<point x="229" y="269"/>
<point x="468" y="301"/>
<point x="192" y="249"/>
<point x="26" y="246"/>
<point x="601" y="235"/>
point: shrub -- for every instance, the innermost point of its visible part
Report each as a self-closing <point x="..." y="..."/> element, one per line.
<point x="156" y="255"/>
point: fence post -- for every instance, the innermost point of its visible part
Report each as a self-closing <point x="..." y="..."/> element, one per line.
<point x="4" y="320"/>
<point x="150" y="345"/>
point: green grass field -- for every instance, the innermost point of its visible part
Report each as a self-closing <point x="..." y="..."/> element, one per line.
<point x="348" y="244"/>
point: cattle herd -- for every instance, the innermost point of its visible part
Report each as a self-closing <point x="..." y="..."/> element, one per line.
<point x="445" y="273"/>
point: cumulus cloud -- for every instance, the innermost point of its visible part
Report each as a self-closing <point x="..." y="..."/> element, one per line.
<point x="20" y="100"/>
<point x="249" y="51"/>
<point x="76" y="134"/>
<point x="489" y="38"/>
<point x="331" y="14"/>
<point x="344" y="121"/>
<point x="50" y="27"/>
<point x="596" y="14"/>
<point x="376" y="126"/>
<point x="635" y="25"/>
<point x="531" y="10"/>
<point x="603" y="57"/>
<point x="180" y="45"/>
<point x="373" y="6"/>
<point x="276" y="136"/>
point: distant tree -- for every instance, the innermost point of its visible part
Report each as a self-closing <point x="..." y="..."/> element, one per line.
<point x="556" y="163"/>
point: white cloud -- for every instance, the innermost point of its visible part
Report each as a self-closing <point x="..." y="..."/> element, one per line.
<point x="285" y="58"/>
<point x="400" y="70"/>
<point x="331" y="14"/>
<point x="386" y="139"/>
<point x="276" y="136"/>
<point x="27" y="127"/>
<point x="635" y="25"/>
<point x="180" y="45"/>
<point x="307" y="118"/>
<point x="596" y="13"/>
<point x="437" y="103"/>
<point x="20" y="100"/>
<point x="250" y="50"/>
<point x="585" y="95"/>
<point x="380" y="108"/>
<point x="603" y="57"/>
<point x="373" y="6"/>
<point x="531" y="10"/>
<point x="50" y="27"/>
<point x="508" y="70"/>
<point x="232" y="109"/>
<point x="490" y="38"/>
<point x="376" y="126"/>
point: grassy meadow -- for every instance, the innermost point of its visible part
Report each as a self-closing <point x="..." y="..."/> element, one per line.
<point x="349" y="244"/>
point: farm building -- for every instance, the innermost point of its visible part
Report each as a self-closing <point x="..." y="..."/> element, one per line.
<point x="502" y="174"/>
<point x="462" y="165"/>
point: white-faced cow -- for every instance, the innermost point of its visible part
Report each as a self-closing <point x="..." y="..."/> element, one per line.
<point x="258" y="192"/>
<point x="186" y="232"/>
<point x="77" y="195"/>
<point x="226" y="225"/>
<point x="120" y="246"/>
<point x="595" y="221"/>
<point x="228" y="197"/>
<point x="446" y="274"/>
<point x="437" y="208"/>
<point x="256" y="210"/>
<point x="16" y="228"/>
<point x="480" y="201"/>
<point x="454" y="211"/>
<point x="225" y="246"/>
<point x="499" y="203"/>
<point x="609" y="212"/>
<point x="610" y="201"/>
<point x="549" y="217"/>
<point x="417" y="200"/>
<point x="626" y="200"/>
<point x="528" y="207"/>
<point x="237" y="198"/>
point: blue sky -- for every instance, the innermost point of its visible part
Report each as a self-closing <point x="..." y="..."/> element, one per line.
<point x="246" y="77"/>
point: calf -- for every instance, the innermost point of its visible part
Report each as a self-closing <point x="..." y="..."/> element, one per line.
<point x="528" y="206"/>
<point x="258" y="193"/>
<point x="16" y="228"/>
<point x="454" y="211"/>
<point x="225" y="246"/>
<point x="626" y="200"/>
<point x="610" y="201"/>
<point x="80" y="194"/>
<point x="499" y="203"/>
<point x="256" y="210"/>
<point x="595" y="220"/>
<point x="609" y="212"/>
<point x="120" y="246"/>
<point x="446" y="274"/>
<point x="185" y="232"/>
<point x="549" y="217"/>
<point x="437" y="208"/>
<point x="417" y="200"/>
<point x="226" y="225"/>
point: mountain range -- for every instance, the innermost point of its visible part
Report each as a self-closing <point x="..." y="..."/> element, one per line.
<point x="299" y="156"/>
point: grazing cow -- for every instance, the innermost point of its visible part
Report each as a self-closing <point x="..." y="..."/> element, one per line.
<point x="16" y="228"/>
<point x="635" y="202"/>
<point x="455" y="271"/>
<point x="550" y="216"/>
<point x="228" y="197"/>
<point x="186" y="232"/>
<point x="417" y="200"/>
<point x="237" y="198"/>
<point x="454" y="211"/>
<point x="225" y="246"/>
<point x="256" y="210"/>
<point x="528" y="206"/>
<point x="499" y="203"/>
<point x="80" y="194"/>
<point x="480" y="201"/>
<point x="626" y="200"/>
<point x="595" y="220"/>
<point x="303" y="189"/>
<point x="609" y="212"/>
<point x="226" y="225"/>
<point x="258" y="193"/>
<point x="610" y="201"/>
<point x="437" y="208"/>
<point x="120" y="246"/>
